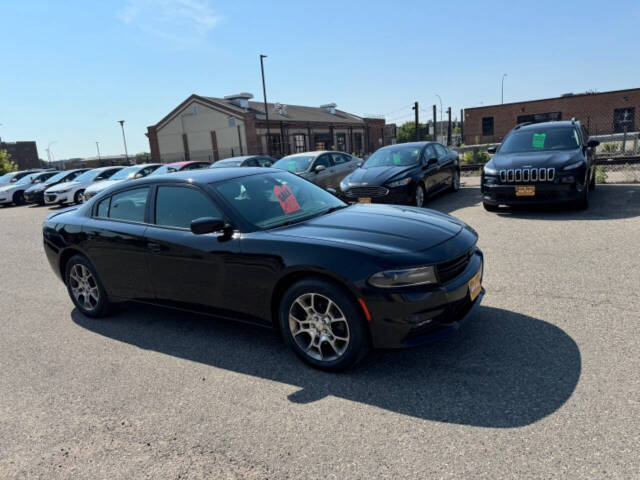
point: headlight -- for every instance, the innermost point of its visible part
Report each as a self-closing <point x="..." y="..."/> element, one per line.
<point x="61" y="191"/>
<point x="344" y="185"/>
<point x="490" y="171"/>
<point x="400" y="183"/>
<point x="404" y="278"/>
<point x="573" y="166"/>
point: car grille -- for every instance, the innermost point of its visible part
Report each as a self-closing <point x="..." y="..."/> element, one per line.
<point x="366" y="192"/>
<point x="449" y="270"/>
<point x="528" y="175"/>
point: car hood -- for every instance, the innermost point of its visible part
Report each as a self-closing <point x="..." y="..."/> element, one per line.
<point x="383" y="228"/>
<point x="6" y="188"/>
<point x="63" y="186"/>
<point x="376" y="175"/>
<point x="100" y="186"/>
<point x="534" y="159"/>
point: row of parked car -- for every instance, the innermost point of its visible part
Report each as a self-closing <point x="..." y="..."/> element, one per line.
<point x="405" y="174"/>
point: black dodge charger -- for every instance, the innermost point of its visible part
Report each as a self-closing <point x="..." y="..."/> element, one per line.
<point x="268" y="247"/>
<point x="541" y="163"/>
<point x="403" y="174"/>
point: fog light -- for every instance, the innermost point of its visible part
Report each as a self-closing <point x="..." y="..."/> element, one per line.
<point x="419" y="320"/>
<point x="568" y="179"/>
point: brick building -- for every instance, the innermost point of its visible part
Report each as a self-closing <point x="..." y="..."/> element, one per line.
<point x="602" y="113"/>
<point x="210" y="128"/>
<point x="23" y="154"/>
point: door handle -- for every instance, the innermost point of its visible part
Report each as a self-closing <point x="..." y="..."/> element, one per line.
<point x="154" y="247"/>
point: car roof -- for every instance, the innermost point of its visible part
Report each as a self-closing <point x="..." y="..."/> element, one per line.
<point x="182" y="164"/>
<point x="313" y="153"/>
<point x="236" y="159"/>
<point x="204" y="176"/>
<point x="554" y="124"/>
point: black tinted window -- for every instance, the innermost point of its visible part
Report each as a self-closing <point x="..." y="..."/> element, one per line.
<point x="441" y="151"/>
<point x="178" y="206"/>
<point x="340" y="158"/>
<point x="129" y="205"/>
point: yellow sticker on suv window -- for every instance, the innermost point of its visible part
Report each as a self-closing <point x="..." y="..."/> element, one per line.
<point x="538" y="140"/>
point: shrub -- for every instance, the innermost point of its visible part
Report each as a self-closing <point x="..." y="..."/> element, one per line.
<point x="601" y="174"/>
<point x="610" y="147"/>
<point x="6" y="165"/>
<point x="482" y="156"/>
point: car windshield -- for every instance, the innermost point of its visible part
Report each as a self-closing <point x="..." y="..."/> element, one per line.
<point x="164" y="169"/>
<point x="274" y="199"/>
<point x="295" y="164"/>
<point x="397" y="156"/>
<point x="227" y="163"/>
<point x="56" y="178"/>
<point x="125" y="173"/>
<point x="541" y="139"/>
<point x="26" y="180"/>
<point x="87" y="176"/>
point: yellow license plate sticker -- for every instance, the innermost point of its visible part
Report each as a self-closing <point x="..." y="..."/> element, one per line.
<point x="475" y="285"/>
<point x="526" y="191"/>
<point x="364" y="200"/>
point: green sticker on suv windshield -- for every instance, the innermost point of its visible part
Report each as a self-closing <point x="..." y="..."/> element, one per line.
<point x="538" y="140"/>
<point x="397" y="159"/>
<point x="291" y="165"/>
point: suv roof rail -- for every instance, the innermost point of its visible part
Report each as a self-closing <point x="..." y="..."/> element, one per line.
<point x="522" y="124"/>
<point x="573" y="120"/>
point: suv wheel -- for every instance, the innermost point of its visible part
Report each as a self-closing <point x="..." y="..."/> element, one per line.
<point x="323" y="325"/>
<point x="84" y="287"/>
<point x="455" y="181"/>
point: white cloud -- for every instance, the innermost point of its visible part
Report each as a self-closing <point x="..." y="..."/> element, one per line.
<point x="182" y="22"/>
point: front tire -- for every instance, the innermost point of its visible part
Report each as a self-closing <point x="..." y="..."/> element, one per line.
<point x="323" y="325"/>
<point x="419" y="195"/>
<point x="18" y="198"/>
<point x="85" y="288"/>
<point x="455" y="181"/>
<point x="77" y="198"/>
<point x="583" y="203"/>
<point x="490" y="208"/>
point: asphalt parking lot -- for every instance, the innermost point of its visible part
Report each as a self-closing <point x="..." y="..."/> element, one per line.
<point x="542" y="382"/>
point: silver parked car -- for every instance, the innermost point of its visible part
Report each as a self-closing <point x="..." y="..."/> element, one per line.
<point x="325" y="169"/>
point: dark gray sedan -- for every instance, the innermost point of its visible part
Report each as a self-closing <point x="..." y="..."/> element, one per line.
<point x="325" y="169"/>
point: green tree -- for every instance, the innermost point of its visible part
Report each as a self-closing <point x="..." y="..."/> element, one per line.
<point x="407" y="132"/>
<point x="6" y="165"/>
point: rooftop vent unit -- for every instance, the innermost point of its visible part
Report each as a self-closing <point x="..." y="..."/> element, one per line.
<point x="240" y="99"/>
<point x="280" y="109"/>
<point x="567" y="94"/>
<point x="329" y="108"/>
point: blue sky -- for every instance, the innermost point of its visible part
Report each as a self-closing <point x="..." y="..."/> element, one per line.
<point x="72" y="69"/>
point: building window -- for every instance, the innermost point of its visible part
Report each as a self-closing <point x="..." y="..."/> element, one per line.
<point x="341" y="142"/>
<point x="298" y="143"/>
<point x="274" y="146"/>
<point x="487" y="126"/>
<point x="540" y="117"/>
<point x="624" y="117"/>
<point x="322" y="141"/>
<point x="357" y="143"/>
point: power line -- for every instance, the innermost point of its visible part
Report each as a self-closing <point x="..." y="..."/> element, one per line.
<point x="399" y="109"/>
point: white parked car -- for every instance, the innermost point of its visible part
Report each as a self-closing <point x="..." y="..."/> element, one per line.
<point x="129" y="173"/>
<point x="71" y="192"/>
<point x="13" y="177"/>
<point x="14" y="192"/>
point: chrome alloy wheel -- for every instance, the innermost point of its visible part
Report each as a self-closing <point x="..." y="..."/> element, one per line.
<point x="319" y="327"/>
<point x="84" y="287"/>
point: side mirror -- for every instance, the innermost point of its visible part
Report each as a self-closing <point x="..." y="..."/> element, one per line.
<point x="492" y="150"/>
<point x="319" y="168"/>
<point x="332" y="191"/>
<point x="203" y="225"/>
<point x="593" y="143"/>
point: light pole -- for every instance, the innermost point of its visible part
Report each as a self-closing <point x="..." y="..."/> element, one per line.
<point x="124" y="139"/>
<point x="266" y="110"/>
<point x="98" y="148"/>
<point x="50" y="153"/>
<point x="502" y="89"/>
<point x="440" y="114"/>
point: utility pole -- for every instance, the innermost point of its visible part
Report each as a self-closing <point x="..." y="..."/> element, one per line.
<point x="98" y="148"/>
<point x="266" y="110"/>
<point x="439" y="98"/>
<point x="415" y="107"/>
<point x="502" y="89"/>
<point x="461" y="125"/>
<point x="124" y="139"/>
<point x="435" y="123"/>
<point x="449" y="127"/>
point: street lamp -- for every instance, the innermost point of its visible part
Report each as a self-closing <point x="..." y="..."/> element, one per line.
<point x="440" y="114"/>
<point x="502" y="89"/>
<point x="124" y="139"/>
<point x="266" y="110"/>
<point x="50" y="153"/>
<point x="98" y="148"/>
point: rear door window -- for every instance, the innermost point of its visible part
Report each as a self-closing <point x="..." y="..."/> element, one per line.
<point x="128" y="206"/>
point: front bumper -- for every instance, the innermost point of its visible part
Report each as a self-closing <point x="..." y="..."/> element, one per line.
<point x="419" y="315"/>
<point x="34" y="197"/>
<point x="505" y="194"/>
<point x="394" y="196"/>
<point x="56" y="198"/>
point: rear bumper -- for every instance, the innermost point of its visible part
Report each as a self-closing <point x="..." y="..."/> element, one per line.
<point x="422" y="315"/>
<point x="544" y="193"/>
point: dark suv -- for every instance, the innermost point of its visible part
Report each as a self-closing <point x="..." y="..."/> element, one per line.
<point x="546" y="162"/>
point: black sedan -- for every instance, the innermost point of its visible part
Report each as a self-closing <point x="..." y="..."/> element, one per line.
<point x="245" y="161"/>
<point x="35" y="194"/>
<point x="266" y="246"/>
<point x="325" y="169"/>
<point x="403" y="174"/>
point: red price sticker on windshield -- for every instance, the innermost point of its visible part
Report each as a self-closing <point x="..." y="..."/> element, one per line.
<point x="286" y="198"/>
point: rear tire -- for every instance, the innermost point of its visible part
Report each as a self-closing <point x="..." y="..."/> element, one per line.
<point x="18" y="198"/>
<point x="323" y="325"/>
<point x="490" y="208"/>
<point x="85" y="288"/>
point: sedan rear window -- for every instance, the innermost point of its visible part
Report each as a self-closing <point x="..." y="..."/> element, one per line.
<point x="128" y="206"/>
